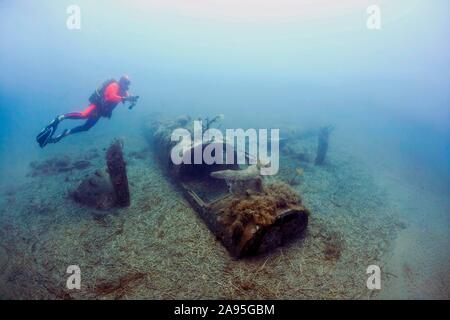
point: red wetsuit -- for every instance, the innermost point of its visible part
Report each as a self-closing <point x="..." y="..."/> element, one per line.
<point x="112" y="97"/>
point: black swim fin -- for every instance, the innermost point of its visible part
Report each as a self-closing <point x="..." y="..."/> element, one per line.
<point x="45" y="135"/>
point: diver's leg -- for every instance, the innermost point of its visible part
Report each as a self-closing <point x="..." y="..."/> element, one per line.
<point x="45" y="136"/>
<point x="85" y="114"/>
<point x="85" y="127"/>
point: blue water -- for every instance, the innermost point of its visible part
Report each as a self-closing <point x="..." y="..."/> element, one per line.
<point x="260" y="63"/>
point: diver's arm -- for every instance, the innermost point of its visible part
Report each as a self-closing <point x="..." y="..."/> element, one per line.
<point x="126" y="97"/>
<point x="112" y="93"/>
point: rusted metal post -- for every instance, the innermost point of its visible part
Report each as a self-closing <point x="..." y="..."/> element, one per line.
<point x="118" y="173"/>
<point x="322" y="145"/>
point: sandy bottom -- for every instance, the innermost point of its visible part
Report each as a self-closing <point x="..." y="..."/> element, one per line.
<point x="158" y="248"/>
<point x="419" y="264"/>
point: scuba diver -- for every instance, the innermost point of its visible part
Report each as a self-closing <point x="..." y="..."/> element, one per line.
<point x="103" y="101"/>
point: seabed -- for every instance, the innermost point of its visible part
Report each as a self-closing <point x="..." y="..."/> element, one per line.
<point x="158" y="248"/>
